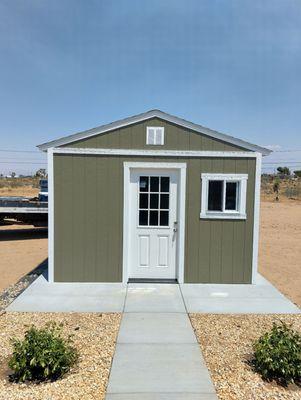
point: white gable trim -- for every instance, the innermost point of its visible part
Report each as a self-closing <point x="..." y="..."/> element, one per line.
<point x="154" y="114"/>
<point x="154" y="153"/>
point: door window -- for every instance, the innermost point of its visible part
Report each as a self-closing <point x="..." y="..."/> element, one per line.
<point x="154" y="200"/>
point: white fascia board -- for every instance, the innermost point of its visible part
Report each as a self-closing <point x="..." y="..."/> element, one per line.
<point x="152" y="153"/>
<point x="154" y="114"/>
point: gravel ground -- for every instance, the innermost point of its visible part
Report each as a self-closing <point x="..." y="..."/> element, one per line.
<point x="94" y="337"/>
<point x="226" y="343"/>
<point x="11" y="292"/>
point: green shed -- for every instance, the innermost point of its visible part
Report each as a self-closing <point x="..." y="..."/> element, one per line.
<point x="153" y="197"/>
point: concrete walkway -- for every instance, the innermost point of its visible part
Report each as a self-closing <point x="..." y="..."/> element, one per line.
<point x="261" y="298"/>
<point x="157" y="356"/>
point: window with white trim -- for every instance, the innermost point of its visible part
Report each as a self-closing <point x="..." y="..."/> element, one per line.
<point x="224" y="196"/>
<point x="155" y="135"/>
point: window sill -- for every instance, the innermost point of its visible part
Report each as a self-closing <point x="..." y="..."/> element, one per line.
<point x="223" y="216"/>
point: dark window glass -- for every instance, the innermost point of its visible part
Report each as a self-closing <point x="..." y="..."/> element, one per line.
<point x="154" y="184"/>
<point x="231" y="196"/>
<point x="215" y="196"/>
<point x="164" y="201"/>
<point x="143" y="214"/>
<point x="154" y="200"/>
<point x="153" y="218"/>
<point x="165" y="184"/>
<point x="143" y="200"/>
<point x="143" y="184"/>
<point x="164" y="218"/>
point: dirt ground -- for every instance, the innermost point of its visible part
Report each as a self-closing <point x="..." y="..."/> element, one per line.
<point x="279" y="257"/>
<point x="23" y="191"/>
<point x="22" y="248"/>
<point x="280" y="246"/>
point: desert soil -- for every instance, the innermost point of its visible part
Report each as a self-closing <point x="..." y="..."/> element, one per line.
<point x="94" y="336"/>
<point x="280" y="247"/>
<point x="226" y="343"/>
<point x="25" y="191"/>
<point x="279" y="256"/>
<point x="22" y="248"/>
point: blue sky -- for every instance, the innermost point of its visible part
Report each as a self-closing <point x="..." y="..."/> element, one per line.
<point x="67" y="66"/>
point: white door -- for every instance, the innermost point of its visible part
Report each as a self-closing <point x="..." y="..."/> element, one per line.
<point x="153" y="215"/>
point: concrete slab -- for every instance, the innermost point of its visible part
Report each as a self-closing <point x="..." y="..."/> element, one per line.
<point x="260" y="298"/>
<point x="42" y="296"/>
<point x="159" y="368"/>
<point x="156" y="328"/>
<point x="150" y="297"/>
<point x="161" y="396"/>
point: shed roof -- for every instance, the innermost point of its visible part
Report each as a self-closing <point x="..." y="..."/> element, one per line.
<point x="148" y="115"/>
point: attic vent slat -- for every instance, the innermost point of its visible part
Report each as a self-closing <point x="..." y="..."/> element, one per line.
<point x="155" y="135"/>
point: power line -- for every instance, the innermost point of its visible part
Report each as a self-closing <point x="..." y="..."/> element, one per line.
<point x="23" y="162"/>
<point x="20" y="151"/>
<point x="286" y="151"/>
<point x="281" y="162"/>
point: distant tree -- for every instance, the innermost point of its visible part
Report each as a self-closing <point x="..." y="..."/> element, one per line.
<point x="283" y="171"/>
<point x="41" y="173"/>
<point x="276" y="187"/>
<point x="13" y="174"/>
<point x="298" y="173"/>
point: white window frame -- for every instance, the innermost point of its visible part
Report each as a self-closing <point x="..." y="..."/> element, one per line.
<point x="159" y="134"/>
<point x="240" y="213"/>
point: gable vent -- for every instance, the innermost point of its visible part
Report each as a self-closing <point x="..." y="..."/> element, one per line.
<point x="155" y="135"/>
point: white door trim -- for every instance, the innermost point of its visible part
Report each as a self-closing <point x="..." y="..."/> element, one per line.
<point x="180" y="252"/>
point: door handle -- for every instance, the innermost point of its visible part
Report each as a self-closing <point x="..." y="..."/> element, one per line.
<point x="175" y="226"/>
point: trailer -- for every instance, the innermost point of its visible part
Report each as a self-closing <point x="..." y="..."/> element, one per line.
<point x="32" y="211"/>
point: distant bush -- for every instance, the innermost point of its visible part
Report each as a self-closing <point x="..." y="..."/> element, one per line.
<point x="298" y="173"/>
<point x="43" y="354"/>
<point x="277" y="354"/>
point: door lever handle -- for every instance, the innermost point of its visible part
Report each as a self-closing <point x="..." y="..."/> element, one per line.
<point x="175" y="226"/>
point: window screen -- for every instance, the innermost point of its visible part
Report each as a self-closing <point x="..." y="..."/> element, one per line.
<point x="215" y="196"/>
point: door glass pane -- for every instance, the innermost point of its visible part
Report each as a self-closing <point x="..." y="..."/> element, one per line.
<point x="164" y="218"/>
<point x="153" y="218"/>
<point x="154" y="205"/>
<point x="154" y="200"/>
<point x="143" y="220"/>
<point x="215" y="196"/>
<point x="143" y="186"/>
<point x="143" y="200"/>
<point x="164" y="201"/>
<point x="231" y="195"/>
<point x="164" y="184"/>
<point x="154" y="184"/>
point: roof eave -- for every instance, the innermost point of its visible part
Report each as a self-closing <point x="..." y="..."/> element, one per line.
<point x="152" y="114"/>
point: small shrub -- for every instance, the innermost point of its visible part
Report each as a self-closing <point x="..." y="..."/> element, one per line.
<point x="43" y="354"/>
<point x="278" y="355"/>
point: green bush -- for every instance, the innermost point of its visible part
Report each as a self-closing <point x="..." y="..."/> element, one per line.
<point x="43" y="354"/>
<point x="278" y="354"/>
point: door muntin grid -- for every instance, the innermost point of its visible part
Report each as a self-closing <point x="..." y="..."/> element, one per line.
<point x="154" y="201"/>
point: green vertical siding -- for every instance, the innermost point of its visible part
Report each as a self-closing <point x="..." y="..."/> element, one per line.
<point x="88" y="221"/>
<point x="134" y="137"/>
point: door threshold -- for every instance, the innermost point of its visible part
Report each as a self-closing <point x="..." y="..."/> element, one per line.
<point x="148" y="280"/>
